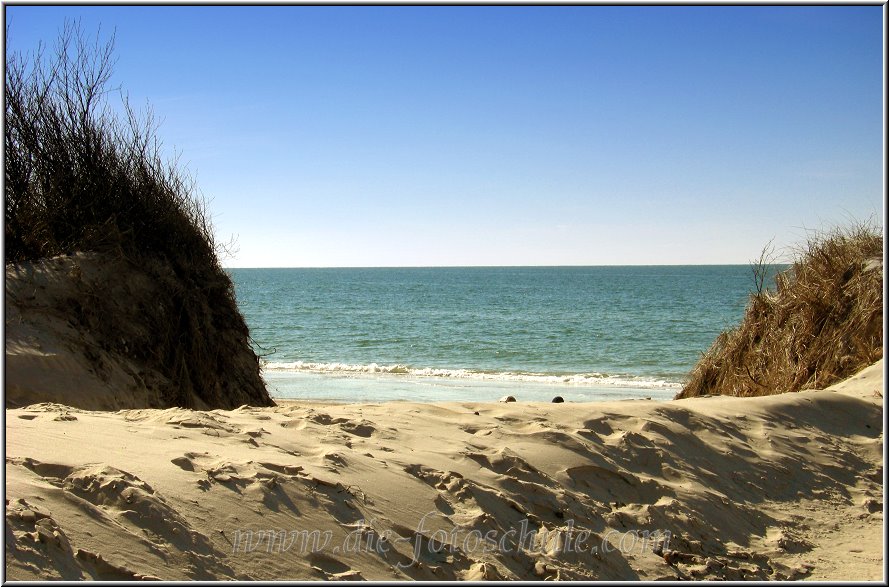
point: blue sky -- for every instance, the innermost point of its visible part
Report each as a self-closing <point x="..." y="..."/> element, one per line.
<point x="579" y="135"/>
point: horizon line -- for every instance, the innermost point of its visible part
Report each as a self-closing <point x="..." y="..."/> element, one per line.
<point x="749" y="263"/>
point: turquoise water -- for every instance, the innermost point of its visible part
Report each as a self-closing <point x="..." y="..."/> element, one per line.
<point x="442" y="334"/>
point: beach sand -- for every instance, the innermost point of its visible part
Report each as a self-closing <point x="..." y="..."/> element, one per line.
<point x="786" y="486"/>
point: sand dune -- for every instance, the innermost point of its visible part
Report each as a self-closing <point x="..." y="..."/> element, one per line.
<point x="786" y="486"/>
<point x="78" y="332"/>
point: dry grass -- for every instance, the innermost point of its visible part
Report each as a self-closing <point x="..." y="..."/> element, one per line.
<point x="821" y="324"/>
<point x="79" y="178"/>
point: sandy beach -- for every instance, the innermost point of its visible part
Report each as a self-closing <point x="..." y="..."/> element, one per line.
<point x="779" y="487"/>
<point x="657" y="237"/>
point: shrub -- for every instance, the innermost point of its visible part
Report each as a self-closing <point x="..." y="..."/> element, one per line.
<point x="822" y="323"/>
<point x="81" y="179"/>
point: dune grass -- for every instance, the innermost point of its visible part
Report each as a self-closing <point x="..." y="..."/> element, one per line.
<point x="821" y="323"/>
<point x="82" y="176"/>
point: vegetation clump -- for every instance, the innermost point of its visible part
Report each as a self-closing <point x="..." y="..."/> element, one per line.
<point x="81" y="178"/>
<point x="822" y="323"/>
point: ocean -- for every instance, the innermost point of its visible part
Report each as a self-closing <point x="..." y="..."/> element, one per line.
<point x="478" y="333"/>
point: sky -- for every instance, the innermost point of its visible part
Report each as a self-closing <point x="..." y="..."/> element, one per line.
<point x="334" y="136"/>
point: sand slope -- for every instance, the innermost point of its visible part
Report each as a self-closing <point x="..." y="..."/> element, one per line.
<point x="49" y="357"/>
<point x="82" y="330"/>
<point x="786" y="486"/>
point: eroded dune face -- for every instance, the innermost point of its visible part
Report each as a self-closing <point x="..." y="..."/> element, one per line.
<point x="84" y="330"/>
<point x="786" y="486"/>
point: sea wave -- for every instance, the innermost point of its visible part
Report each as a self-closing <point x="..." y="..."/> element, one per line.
<point x="590" y="379"/>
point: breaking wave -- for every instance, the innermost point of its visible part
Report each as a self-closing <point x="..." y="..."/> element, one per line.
<point x="589" y="379"/>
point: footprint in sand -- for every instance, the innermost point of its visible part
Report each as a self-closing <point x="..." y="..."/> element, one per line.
<point x="203" y="421"/>
<point x="605" y="486"/>
<point x="361" y="428"/>
<point x="508" y="463"/>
